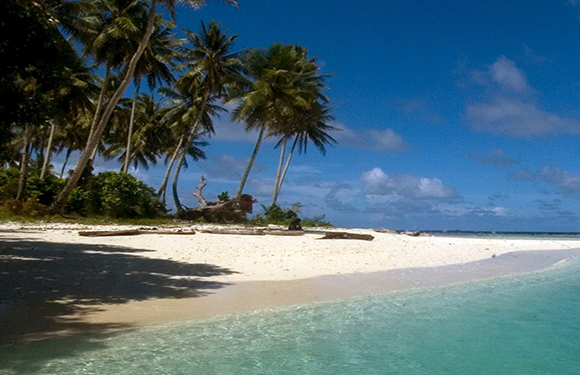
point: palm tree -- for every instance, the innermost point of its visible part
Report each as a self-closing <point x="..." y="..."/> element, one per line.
<point x="210" y="68"/>
<point x="154" y="64"/>
<point x="110" y="35"/>
<point x="285" y="82"/>
<point x="127" y="76"/>
<point x="182" y="112"/>
<point x="72" y="99"/>
<point x="150" y="138"/>
<point x="310" y="126"/>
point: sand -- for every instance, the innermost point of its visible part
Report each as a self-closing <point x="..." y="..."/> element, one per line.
<point x="57" y="283"/>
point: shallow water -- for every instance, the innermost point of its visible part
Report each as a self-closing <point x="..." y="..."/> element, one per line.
<point x="527" y="324"/>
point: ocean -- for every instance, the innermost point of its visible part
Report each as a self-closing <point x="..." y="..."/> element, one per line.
<point x="524" y="324"/>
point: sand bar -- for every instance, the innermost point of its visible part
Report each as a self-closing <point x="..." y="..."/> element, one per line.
<point x="57" y="283"/>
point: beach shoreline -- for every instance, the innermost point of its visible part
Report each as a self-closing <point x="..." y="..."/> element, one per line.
<point x="154" y="279"/>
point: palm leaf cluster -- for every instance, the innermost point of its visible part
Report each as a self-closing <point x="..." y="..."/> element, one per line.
<point x="109" y="45"/>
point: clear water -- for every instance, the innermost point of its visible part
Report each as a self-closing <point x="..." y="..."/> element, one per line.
<point x="528" y="324"/>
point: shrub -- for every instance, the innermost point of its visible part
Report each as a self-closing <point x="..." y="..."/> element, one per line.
<point x="79" y="201"/>
<point x="8" y="183"/>
<point x="43" y="191"/>
<point x="29" y="208"/>
<point x="277" y="215"/>
<point x="120" y="195"/>
<point x="223" y="196"/>
<point x="12" y="206"/>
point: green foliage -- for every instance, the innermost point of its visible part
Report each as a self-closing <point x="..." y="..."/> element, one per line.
<point x="78" y="201"/>
<point x="115" y="195"/>
<point x="8" y="183"/>
<point x="316" y="221"/>
<point x="35" y="57"/>
<point x="276" y="215"/>
<point x="29" y="208"/>
<point x="43" y="191"/>
<point x="223" y="196"/>
<point x="110" y="194"/>
<point x="37" y="190"/>
<point x="283" y="216"/>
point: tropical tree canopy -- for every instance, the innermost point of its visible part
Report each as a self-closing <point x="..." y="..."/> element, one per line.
<point x="66" y="65"/>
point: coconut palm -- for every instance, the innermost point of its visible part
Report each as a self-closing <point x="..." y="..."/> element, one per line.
<point x="210" y="67"/>
<point x="127" y="76"/>
<point x="183" y="112"/>
<point x="312" y="126"/>
<point x="285" y="82"/>
<point x="150" y="138"/>
<point x="155" y="66"/>
<point x="72" y="99"/>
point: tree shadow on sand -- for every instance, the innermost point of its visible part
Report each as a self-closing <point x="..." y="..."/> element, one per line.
<point x="51" y="282"/>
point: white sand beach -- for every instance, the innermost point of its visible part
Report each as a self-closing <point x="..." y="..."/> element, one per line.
<point x="158" y="278"/>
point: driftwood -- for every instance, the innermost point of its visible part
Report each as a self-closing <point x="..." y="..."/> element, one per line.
<point x="198" y="194"/>
<point x="255" y="232"/>
<point x="243" y="232"/>
<point x="346" y="236"/>
<point x="285" y="232"/>
<point x="388" y="231"/>
<point x="131" y="232"/>
<point x="221" y="211"/>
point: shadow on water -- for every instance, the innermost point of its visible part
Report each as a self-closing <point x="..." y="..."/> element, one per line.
<point x="46" y="288"/>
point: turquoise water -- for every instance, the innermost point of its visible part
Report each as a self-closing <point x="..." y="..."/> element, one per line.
<point x="528" y="324"/>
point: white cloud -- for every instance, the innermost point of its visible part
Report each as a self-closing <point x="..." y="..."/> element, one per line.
<point x="226" y="167"/>
<point x="379" y="140"/>
<point x="339" y="199"/>
<point x="513" y="117"/>
<point x="377" y="182"/>
<point x="227" y="131"/>
<point x="505" y="72"/>
<point x="568" y="184"/>
<point x="495" y="157"/>
<point x="512" y="110"/>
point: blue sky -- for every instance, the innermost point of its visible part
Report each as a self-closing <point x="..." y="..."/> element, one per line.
<point x="462" y="114"/>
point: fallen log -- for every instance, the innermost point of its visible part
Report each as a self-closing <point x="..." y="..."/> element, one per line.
<point x="243" y="232"/>
<point x="107" y="233"/>
<point x="346" y="236"/>
<point x="285" y="232"/>
<point x="130" y="232"/>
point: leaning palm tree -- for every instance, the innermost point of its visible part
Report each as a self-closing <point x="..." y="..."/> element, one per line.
<point x="127" y="76"/>
<point x="72" y="99"/>
<point x="155" y="66"/>
<point x="149" y="137"/>
<point x="310" y="125"/>
<point x="285" y="82"/>
<point x="183" y="111"/>
<point x="110" y="36"/>
<point x="210" y="67"/>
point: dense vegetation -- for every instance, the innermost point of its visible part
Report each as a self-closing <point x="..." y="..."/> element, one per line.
<point x="66" y="65"/>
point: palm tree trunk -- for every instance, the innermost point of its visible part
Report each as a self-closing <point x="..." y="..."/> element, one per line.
<point x="99" y="101"/>
<point x="131" y="122"/>
<point x="184" y="149"/>
<point x="48" y="151"/>
<point x="163" y="187"/>
<point x="279" y="172"/>
<point x="250" y="163"/>
<point x="178" y="206"/>
<point x="23" y="178"/>
<point x="93" y="141"/>
<point x="279" y="186"/>
<point x="68" y="152"/>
